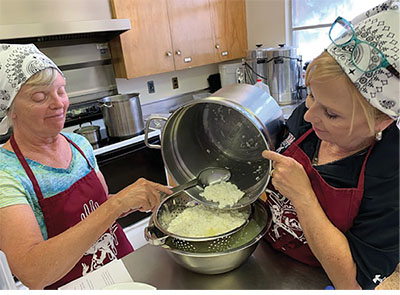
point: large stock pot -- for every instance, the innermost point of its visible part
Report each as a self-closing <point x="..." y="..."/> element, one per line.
<point x="229" y="129"/>
<point x="122" y="115"/>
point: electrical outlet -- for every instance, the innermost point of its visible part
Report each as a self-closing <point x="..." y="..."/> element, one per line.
<point x="150" y="86"/>
<point x="175" y="84"/>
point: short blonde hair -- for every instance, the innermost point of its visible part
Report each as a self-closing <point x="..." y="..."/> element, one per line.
<point x="324" y="68"/>
<point x="43" y="77"/>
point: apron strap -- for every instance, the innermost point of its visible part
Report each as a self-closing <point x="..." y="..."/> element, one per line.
<point x="360" y="184"/>
<point x="79" y="150"/>
<point x="304" y="136"/>
<point x="28" y="169"/>
<point x="362" y="172"/>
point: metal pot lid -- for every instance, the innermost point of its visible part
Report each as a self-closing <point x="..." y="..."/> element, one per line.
<point x="282" y="50"/>
<point x="258" y="52"/>
<point x="264" y="52"/>
<point x="87" y="129"/>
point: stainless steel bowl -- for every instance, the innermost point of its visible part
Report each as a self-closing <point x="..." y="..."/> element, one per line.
<point x="214" y="262"/>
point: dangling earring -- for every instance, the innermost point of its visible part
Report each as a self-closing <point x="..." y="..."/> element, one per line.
<point x="378" y="136"/>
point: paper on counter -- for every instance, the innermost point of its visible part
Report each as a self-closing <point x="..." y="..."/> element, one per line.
<point x="112" y="273"/>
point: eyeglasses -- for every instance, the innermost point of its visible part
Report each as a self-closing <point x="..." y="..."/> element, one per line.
<point x="364" y="55"/>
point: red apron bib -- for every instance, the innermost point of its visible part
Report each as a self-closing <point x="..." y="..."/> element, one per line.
<point x="71" y="206"/>
<point x="339" y="204"/>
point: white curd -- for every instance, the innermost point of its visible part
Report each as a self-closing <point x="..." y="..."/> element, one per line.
<point x="225" y="193"/>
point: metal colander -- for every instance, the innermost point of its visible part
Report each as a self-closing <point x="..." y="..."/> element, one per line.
<point x="156" y="233"/>
<point x="211" y="246"/>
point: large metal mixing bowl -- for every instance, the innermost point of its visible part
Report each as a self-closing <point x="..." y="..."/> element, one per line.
<point x="214" y="262"/>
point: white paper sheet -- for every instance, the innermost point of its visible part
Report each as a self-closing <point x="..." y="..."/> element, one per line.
<point x="112" y="273"/>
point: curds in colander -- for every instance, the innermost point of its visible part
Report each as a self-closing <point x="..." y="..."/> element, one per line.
<point x="158" y="234"/>
<point x="172" y="206"/>
<point x="216" y="255"/>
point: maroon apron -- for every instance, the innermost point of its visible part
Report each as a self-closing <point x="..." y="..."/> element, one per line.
<point x="339" y="204"/>
<point x="71" y="206"/>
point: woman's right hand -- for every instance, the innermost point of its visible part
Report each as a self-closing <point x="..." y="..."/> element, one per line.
<point x="143" y="195"/>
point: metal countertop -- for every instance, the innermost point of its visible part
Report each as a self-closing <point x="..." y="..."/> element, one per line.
<point x="266" y="269"/>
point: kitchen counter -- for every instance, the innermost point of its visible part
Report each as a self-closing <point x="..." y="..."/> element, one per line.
<point x="265" y="269"/>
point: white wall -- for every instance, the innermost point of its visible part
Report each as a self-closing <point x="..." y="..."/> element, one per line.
<point x="44" y="11"/>
<point x="265" y="23"/>
<point x="188" y="80"/>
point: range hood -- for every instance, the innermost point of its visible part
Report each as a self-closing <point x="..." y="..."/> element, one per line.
<point x="63" y="33"/>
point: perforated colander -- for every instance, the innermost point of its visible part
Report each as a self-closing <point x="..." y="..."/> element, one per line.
<point x="157" y="234"/>
<point x="212" y="246"/>
<point x="258" y="222"/>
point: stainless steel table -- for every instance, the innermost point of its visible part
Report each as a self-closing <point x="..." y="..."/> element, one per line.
<point x="265" y="269"/>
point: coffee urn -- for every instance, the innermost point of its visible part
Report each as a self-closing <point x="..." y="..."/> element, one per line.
<point x="280" y="68"/>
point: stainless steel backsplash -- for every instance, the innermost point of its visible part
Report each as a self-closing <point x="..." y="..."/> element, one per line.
<point x="87" y="68"/>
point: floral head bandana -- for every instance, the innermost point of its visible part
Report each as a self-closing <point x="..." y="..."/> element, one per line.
<point x="17" y="64"/>
<point x="378" y="26"/>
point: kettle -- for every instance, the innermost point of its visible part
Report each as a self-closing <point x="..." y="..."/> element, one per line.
<point x="280" y="68"/>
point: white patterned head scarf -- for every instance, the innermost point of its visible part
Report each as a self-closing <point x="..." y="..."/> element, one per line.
<point x="17" y="64"/>
<point x="379" y="26"/>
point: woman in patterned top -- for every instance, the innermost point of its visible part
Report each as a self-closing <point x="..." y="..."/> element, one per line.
<point x="57" y="220"/>
<point x="334" y="192"/>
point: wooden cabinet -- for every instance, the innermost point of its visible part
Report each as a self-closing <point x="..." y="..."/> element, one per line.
<point x="191" y="33"/>
<point x="230" y="30"/>
<point x="146" y="48"/>
<point x="168" y="35"/>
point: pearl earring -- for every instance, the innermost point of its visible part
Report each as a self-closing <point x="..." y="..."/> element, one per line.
<point x="378" y="136"/>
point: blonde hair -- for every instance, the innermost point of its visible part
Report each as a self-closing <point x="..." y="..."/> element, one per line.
<point x="323" y="68"/>
<point x="43" y="77"/>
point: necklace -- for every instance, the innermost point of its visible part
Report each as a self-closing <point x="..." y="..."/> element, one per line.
<point x="314" y="160"/>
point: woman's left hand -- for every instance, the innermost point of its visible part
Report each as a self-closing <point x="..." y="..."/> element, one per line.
<point x="289" y="177"/>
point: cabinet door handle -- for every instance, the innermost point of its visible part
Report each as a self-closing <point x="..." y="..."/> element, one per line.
<point x="224" y="53"/>
<point x="168" y="53"/>
<point x="187" y="59"/>
<point x="178" y="52"/>
<point x="217" y="46"/>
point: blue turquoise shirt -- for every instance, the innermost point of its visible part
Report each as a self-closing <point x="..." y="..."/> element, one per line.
<point x="16" y="187"/>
